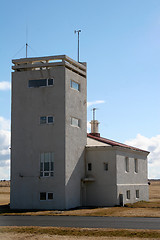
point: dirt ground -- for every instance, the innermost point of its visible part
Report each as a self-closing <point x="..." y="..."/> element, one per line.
<point x="22" y="236"/>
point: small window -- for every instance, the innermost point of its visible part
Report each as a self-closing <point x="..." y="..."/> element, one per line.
<point x="50" y="196"/>
<point x="127" y="164"/>
<point x="43" y="196"/>
<point x="50" y="81"/>
<point x="50" y="119"/>
<point x="137" y="193"/>
<point x="128" y="194"/>
<point x="75" y="122"/>
<point x="106" y="166"/>
<point x="89" y="166"/>
<point x="136" y="165"/>
<point x="46" y="196"/>
<point x="46" y="120"/>
<point x="43" y="120"/>
<point x="75" y="85"/>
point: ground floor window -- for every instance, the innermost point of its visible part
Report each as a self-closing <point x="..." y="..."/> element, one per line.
<point x="89" y="166"/>
<point x="46" y="196"/>
<point x="137" y="193"/>
<point x="128" y="194"/>
<point x="106" y="166"/>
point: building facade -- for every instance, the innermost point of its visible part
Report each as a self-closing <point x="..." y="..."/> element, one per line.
<point x="116" y="173"/>
<point x="54" y="164"/>
<point x="48" y="132"/>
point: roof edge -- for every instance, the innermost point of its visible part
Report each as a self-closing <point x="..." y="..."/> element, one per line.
<point x="114" y="143"/>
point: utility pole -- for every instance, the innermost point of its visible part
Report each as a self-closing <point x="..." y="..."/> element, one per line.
<point x="78" y="31"/>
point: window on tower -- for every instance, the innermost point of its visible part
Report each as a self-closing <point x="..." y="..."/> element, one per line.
<point x="47" y="164"/>
<point x="74" y="85"/>
<point x="75" y="122"/>
<point x="41" y="83"/>
<point x="46" y="120"/>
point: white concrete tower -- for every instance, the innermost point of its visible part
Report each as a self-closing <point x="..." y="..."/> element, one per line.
<point x="48" y="133"/>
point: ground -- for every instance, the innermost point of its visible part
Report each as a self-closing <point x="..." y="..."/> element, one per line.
<point x="147" y="209"/>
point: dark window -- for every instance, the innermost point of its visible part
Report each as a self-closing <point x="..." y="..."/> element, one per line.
<point x="50" y="119"/>
<point x="137" y="193"/>
<point x="43" y="120"/>
<point x="50" y="196"/>
<point x="50" y="81"/>
<point x="43" y="196"/>
<point x="89" y="166"/>
<point x="38" y="83"/>
<point x="106" y="166"/>
<point x="128" y="194"/>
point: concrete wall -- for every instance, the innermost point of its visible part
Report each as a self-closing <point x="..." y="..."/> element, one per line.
<point x="29" y="139"/>
<point x="131" y="180"/>
<point x="101" y="191"/>
<point x="75" y="138"/>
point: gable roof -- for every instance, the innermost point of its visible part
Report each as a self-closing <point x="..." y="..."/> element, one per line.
<point x="113" y="143"/>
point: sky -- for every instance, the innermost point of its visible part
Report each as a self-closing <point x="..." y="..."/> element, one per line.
<point x="119" y="40"/>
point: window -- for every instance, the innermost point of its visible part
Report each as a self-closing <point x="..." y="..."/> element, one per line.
<point x="46" y="196"/>
<point x="75" y="122"/>
<point x="89" y="166"/>
<point x="136" y="165"/>
<point x="50" y="119"/>
<point x="46" y="120"/>
<point x="47" y="164"/>
<point x="43" y="120"/>
<point x="40" y="83"/>
<point x="75" y="85"/>
<point x="127" y="164"/>
<point x="50" y="196"/>
<point x="106" y="166"/>
<point x="128" y="194"/>
<point x="137" y="193"/>
<point x="43" y="196"/>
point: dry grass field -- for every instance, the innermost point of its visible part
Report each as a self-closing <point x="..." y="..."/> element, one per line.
<point x="4" y="192"/>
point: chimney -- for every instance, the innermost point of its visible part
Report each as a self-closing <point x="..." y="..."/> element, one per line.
<point x="94" y="125"/>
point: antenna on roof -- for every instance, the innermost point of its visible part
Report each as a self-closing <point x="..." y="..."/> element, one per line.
<point x="26" y="40"/>
<point x="94" y="113"/>
<point x="78" y="31"/>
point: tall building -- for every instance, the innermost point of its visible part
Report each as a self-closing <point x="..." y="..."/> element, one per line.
<point x="54" y="163"/>
<point x="49" y="132"/>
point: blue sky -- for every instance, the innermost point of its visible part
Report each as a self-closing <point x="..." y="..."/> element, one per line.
<point x="120" y="41"/>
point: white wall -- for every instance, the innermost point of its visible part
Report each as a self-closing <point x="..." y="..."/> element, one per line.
<point x="102" y="191"/>
<point x="131" y="180"/>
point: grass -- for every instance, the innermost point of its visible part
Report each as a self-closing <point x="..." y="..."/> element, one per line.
<point x="83" y="232"/>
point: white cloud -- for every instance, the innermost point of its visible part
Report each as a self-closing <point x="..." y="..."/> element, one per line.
<point x="5" y="85"/>
<point x="4" y="124"/>
<point x="4" y="148"/>
<point x="95" y="102"/>
<point x="153" y="146"/>
<point x="88" y="127"/>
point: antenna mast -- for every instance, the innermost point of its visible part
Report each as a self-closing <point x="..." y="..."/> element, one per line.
<point x="78" y="31"/>
<point x="94" y="113"/>
<point x="26" y="49"/>
<point x="26" y="40"/>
